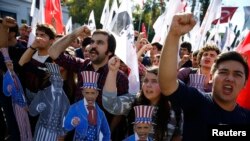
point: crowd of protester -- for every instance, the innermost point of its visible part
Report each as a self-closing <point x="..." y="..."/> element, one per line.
<point x="44" y="86"/>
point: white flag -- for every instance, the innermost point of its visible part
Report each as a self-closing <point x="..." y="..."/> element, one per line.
<point x="213" y="12"/>
<point x="68" y="27"/>
<point x="37" y="14"/>
<point x="123" y="30"/>
<point x="228" y="38"/>
<point x="91" y="22"/>
<point x="105" y="14"/>
<point x="113" y="11"/>
<point x="173" y="8"/>
<point x="247" y="18"/>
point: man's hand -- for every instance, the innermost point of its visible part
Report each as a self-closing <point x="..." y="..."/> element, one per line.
<point x="114" y="64"/>
<point x="38" y="42"/>
<point x="75" y="121"/>
<point x="6" y="23"/>
<point x="83" y="32"/>
<point x="9" y="88"/>
<point x="41" y="106"/>
<point x="182" y="23"/>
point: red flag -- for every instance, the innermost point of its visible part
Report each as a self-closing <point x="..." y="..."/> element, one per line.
<point x="226" y="13"/>
<point x="53" y="15"/>
<point x="143" y="29"/>
<point x="244" y="95"/>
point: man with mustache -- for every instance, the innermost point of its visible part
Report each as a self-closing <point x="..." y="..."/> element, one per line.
<point x="103" y="47"/>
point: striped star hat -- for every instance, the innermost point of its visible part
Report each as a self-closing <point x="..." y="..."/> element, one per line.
<point x="143" y="114"/>
<point x="90" y="79"/>
<point x="53" y="69"/>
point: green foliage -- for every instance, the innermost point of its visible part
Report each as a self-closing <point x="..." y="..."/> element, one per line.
<point x="80" y="10"/>
<point x="151" y="11"/>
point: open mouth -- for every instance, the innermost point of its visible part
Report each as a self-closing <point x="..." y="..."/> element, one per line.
<point x="227" y="89"/>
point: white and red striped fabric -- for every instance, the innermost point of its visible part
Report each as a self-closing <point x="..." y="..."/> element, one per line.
<point x="90" y="79"/>
<point x="143" y="114"/>
<point x="197" y="81"/>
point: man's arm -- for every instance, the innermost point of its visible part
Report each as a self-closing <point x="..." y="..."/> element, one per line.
<point x="60" y="45"/>
<point x="110" y="83"/>
<point x="181" y="24"/>
<point x="26" y="57"/>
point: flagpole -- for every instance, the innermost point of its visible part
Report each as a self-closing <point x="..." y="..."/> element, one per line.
<point x="139" y="27"/>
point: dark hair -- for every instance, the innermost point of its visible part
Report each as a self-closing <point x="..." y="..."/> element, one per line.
<point x="47" y="29"/>
<point x="231" y="56"/>
<point x="158" y="45"/>
<point x="24" y="25"/>
<point x="187" y="45"/>
<point x="59" y="35"/>
<point x="86" y="41"/>
<point x="207" y="47"/>
<point x="195" y="53"/>
<point x="111" y="40"/>
<point x="162" y="115"/>
<point x="14" y="29"/>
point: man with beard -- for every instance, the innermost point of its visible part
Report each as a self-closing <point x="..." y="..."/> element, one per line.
<point x="103" y="47"/>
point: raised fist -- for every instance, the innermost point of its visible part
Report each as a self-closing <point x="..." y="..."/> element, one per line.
<point x="75" y="121"/>
<point x="41" y="107"/>
<point x="114" y="63"/>
<point x="5" y="24"/>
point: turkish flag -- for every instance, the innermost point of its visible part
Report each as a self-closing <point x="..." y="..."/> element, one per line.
<point x="244" y="95"/>
<point x="53" y="15"/>
<point x="226" y="14"/>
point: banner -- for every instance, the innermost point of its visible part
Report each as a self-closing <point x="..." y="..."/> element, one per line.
<point x="247" y="17"/>
<point x="244" y="96"/>
<point x="105" y="14"/>
<point x="113" y="11"/>
<point x="53" y="15"/>
<point x="212" y="13"/>
<point x="226" y="14"/>
<point x="37" y="14"/>
<point x="91" y="22"/>
<point x="123" y="30"/>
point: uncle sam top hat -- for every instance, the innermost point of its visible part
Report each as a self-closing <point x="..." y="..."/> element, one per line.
<point x="90" y="79"/>
<point x="53" y="69"/>
<point x="143" y="114"/>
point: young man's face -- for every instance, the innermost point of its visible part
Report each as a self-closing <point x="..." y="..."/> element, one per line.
<point x="99" y="49"/>
<point x="142" y="130"/>
<point x="208" y="58"/>
<point x="195" y="63"/>
<point x="183" y="51"/>
<point x="228" y="80"/>
<point x="42" y="39"/>
<point x="154" y="51"/>
<point x="90" y="95"/>
<point x="23" y="32"/>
